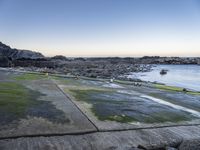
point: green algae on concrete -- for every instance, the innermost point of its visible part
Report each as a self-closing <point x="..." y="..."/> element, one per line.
<point x="193" y="93"/>
<point x="17" y="101"/>
<point x="114" y="106"/>
<point x="30" y="76"/>
<point x="119" y="118"/>
<point x="123" y="82"/>
<point x="108" y="103"/>
<point x="84" y="95"/>
<point x="184" y="100"/>
<point x="163" y="117"/>
<point x="67" y="80"/>
<point x="174" y="88"/>
<point x="79" y="83"/>
<point x="14" y="100"/>
<point x="14" y="97"/>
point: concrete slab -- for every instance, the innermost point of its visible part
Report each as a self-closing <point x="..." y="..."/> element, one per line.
<point x="37" y="113"/>
<point x="32" y="105"/>
<point x="122" y="100"/>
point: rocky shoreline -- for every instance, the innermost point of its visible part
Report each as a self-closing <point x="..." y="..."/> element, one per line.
<point x="109" y="67"/>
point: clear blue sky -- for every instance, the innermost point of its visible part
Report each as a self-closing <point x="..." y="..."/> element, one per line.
<point x="102" y="27"/>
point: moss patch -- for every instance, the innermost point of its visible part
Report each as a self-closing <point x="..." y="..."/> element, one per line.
<point x="14" y="98"/>
<point x="170" y="88"/>
<point x="172" y="99"/>
<point x="67" y="81"/>
<point x="17" y="101"/>
<point x="193" y="93"/>
<point x="124" y="82"/>
<point x="113" y="106"/>
<point x="175" y="89"/>
<point x="169" y="117"/>
<point x="119" y="118"/>
<point x="28" y="76"/>
<point x="91" y="97"/>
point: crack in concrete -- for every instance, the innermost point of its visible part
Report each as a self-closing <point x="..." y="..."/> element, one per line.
<point x="75" y="105"/>
<point x="89" y="132"/>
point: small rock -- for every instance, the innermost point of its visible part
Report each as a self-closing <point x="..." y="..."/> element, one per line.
<point x="184" y="90"/>
<point x="190" y="145"/>
<point x="170" y="148"/>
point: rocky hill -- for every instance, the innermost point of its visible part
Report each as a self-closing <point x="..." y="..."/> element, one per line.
<point x="14" y="54"/>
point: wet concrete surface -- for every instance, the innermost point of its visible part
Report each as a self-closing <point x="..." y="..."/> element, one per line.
<point x="50" y="112"/>
<point x="89" y="114"/>
<point x="113" y="106"/>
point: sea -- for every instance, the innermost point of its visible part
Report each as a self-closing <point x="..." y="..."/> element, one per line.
<point x="185" y="76"/>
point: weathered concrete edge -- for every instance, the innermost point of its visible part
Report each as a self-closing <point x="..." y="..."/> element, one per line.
<point x="88" y="131"/>
<point x="150" y="139"/>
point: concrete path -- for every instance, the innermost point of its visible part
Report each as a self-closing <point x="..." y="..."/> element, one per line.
<point x="54" y="114"/>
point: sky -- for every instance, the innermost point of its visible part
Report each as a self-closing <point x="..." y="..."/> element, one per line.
<point x="95" y="28"/>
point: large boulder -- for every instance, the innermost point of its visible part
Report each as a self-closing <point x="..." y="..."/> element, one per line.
<point x="193" y="144"/>
<point x="198" y="61"/>
<point x="4" y="61"/>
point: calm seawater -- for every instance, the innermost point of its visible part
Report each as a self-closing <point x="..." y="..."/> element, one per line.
<point x="186" y="76"/>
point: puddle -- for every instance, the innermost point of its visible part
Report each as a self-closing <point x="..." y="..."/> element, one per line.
<point x="112" y="85"/>
<point x="195" y="113"/>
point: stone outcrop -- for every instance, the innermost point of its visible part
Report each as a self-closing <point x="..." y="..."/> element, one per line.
<point x="4" y="61"/>
<point x="59" y="57"/>
<point x="14" y="54"/>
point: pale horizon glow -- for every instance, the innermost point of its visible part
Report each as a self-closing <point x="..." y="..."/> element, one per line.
<point x="102" y="28"/>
